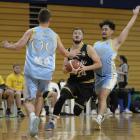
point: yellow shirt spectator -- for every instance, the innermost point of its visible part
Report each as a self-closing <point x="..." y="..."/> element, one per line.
<point x="1" y="80"/>
<point x="15" y="82"/>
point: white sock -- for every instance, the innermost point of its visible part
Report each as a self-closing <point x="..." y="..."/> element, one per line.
<point x="51" y="110"/>
<point x="32" y="114"/>
<point x="99" y="116"/>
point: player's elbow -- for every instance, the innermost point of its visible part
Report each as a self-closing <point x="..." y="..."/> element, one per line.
<point x="98" y="64"/>
<point x="17" y="46"/>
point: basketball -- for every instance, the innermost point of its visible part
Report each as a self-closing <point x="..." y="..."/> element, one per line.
<point x="72" y="64"/>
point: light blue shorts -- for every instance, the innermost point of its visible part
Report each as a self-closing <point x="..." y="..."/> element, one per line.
<point x="107" y="82"/>
<point x="32" y="86"/>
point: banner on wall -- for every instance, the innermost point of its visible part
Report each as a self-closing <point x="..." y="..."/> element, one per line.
<point x="122" y="4"/>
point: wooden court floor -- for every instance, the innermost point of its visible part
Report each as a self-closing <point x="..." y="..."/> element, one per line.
<point x="120" y="127"/>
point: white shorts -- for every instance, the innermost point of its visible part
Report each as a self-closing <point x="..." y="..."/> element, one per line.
<point x="107" y="82"/>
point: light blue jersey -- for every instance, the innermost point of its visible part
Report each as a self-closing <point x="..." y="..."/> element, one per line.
<point x="106" y="76"/>
<point x="107" y="55"/>
<point x="40" y="54"/>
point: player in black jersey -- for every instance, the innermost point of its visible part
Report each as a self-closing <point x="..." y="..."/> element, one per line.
<point x="80" y="83"/>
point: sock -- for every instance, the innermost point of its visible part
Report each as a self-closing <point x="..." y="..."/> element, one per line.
<point x="32" y="114"/>
<point x="99" y="116"/>
<point x="51" y="110"/>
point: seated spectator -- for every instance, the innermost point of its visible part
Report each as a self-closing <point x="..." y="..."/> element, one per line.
<point x="15" y="85"/>
<point x="2" y="89"/>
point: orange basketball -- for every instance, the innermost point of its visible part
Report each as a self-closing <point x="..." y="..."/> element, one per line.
<point x="72" y="64"/>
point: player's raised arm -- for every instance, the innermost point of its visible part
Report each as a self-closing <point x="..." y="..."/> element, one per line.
<point x="122" y="37"/>
<point x="20" y="43"/>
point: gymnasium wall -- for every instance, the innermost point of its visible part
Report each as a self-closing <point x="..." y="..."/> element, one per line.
<point x="14" y="21"/>
<point x="65" y="18"/>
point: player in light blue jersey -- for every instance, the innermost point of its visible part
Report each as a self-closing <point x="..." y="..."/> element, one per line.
<point x="41" y="44"/>
<point x="106" y="76"/>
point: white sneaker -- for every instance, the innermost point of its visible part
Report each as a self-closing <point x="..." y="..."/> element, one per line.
<point x="99" y="119"/>
<point x="34" y="123"/>
<point x="94" y="112"/>
<point x="117" y="111"/>
<point x="127" y="111"/>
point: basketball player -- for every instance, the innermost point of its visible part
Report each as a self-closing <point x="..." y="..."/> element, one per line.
<point x="106" y="76"/>
<point x="79" y="85"/>
<point x="41" y="43"/>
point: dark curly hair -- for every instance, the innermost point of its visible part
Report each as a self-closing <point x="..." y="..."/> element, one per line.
<point x="109" y="23"/>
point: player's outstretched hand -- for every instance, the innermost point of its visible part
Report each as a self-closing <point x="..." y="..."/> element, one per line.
<point x="5" y="44"/>
<point x="136" y="10"/>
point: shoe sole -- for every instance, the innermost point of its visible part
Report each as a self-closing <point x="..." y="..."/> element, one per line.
<point x="97" y="126"/>
<point x="49" y="129"/>
<point x="34" y="131"/>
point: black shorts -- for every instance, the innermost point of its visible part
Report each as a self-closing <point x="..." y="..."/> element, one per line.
<point x="80" y="91"/>
<point x="122" y="84"/>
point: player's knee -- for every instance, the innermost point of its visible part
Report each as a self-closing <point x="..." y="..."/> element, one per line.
<point x="78" y="109"/>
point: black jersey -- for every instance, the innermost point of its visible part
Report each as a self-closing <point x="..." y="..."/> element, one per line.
<point x="86" y="61"/>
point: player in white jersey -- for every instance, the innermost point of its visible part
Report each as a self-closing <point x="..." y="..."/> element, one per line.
<point x="106" y="76"/>
<point x="41" y="44"/>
